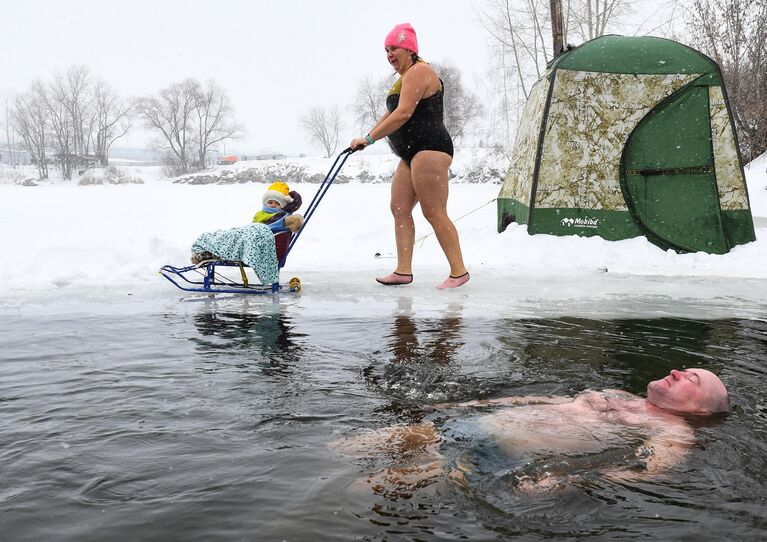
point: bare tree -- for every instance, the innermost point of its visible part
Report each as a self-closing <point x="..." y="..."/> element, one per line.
<point x="172" y="113"/>
<point x="370" y="103"/>
<point x="518" y="29"/>
<point x="70" y="100"/>
<point x="215" y="121"/>
<point x="190" y="119"/>
<point x="111" y="119"/>
<point x="62" y="127"/>
<point x="505" y="100"/>
<point x="521" y="27"/>
<point x="517" y="26"/>
<point x="734" y="34"/>
<point x="87" y="118"/>
<point x="461" y="106"/>
<point x="323" y="127"/>
<point x="8" y="128"/>
<point x="31" y="123"/>
<point x="588" y="19"/>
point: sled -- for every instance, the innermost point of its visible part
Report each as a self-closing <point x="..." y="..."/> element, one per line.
<point x="211" y="276"/>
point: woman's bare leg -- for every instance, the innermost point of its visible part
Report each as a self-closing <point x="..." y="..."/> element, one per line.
<point x="430" y="182"/>
<point x="403" y="200"/>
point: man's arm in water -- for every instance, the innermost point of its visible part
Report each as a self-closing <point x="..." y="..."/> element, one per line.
<point x="658" y="454"/>
<point x="518" y="400"/>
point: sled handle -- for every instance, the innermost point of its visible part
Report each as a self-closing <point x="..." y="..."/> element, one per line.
<point x="327" y="181"/>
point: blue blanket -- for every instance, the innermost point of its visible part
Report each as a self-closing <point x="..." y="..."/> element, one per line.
<point x="252" y="244"/>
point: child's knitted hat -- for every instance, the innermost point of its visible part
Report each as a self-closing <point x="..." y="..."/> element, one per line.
<point x="278" y="191"/>
<point x="402" y="35"/>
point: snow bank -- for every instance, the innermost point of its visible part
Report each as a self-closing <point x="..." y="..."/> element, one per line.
<point x="108" y="241"/>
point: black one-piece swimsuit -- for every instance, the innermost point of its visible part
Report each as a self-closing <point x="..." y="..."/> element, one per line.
<point x="425" y="129"/>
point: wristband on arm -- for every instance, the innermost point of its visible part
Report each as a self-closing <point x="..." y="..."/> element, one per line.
<point x="370" y="139"/>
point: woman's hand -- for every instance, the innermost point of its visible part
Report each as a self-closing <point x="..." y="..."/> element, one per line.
<point x="358" y="143"/>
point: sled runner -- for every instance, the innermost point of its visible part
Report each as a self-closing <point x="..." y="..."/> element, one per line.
<point x="211" y="276"/>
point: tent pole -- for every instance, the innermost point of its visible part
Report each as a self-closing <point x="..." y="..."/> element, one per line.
<point x="556" y="26"/>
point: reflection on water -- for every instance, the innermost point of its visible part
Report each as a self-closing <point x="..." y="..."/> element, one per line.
<point x="212" y="421"/>
<point x="439" y="339"/>
<point x="264" y="331"/>
<point x="424" y="358"/>
<point x="421" y="364"/>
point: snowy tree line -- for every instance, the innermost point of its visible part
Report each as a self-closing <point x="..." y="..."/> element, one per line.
<point x="72" y="121"/>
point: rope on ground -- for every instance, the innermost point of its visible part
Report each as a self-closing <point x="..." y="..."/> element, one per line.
<point x="422" y="239"/>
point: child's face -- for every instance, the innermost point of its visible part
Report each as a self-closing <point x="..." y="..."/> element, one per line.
<point x="273" y="203"/>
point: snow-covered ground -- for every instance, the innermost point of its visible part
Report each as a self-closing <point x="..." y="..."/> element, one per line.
<point x="66" y="245"/>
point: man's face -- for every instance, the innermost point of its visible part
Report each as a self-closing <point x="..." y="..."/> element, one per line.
<point x="692" y="390"/>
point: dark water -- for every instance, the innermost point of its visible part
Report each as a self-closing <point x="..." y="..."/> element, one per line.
<point x="212" y="422"/>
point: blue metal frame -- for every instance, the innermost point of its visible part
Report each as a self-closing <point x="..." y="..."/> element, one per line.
<point x="184" y="279"/>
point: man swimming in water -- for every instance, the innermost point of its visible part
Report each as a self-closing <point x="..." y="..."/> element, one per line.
<point x="550" y="440"/>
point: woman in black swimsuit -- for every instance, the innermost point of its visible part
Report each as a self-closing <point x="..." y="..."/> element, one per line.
<point x="417" y="134"/>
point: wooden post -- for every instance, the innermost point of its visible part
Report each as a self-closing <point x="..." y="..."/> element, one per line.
<point x="556" y="26"/>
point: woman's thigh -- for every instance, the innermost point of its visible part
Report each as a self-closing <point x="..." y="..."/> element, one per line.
<point x="430" y="177"/>
<point x="403" y="196"/>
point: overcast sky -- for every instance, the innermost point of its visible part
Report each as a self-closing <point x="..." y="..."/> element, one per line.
<point x="276" y="58"/>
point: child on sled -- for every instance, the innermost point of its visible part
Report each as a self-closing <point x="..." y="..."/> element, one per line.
<point x="279" y="205"/>
<point x="254" y="244"/>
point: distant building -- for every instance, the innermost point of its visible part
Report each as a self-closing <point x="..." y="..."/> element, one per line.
<point x="267" y="156"/>
<point x="17" y="157"/>
<point x="226" y="160"/>
<point x="134" y="156"/>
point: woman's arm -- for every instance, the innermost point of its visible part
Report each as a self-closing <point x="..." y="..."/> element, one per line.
<point x="415" y="84"/>
<point x="362" y="142"/>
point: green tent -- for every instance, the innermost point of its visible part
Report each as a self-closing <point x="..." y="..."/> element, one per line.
<point x="627" y="136"/>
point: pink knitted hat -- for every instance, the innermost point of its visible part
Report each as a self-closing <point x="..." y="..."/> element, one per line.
<point x="402" y="35"/>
